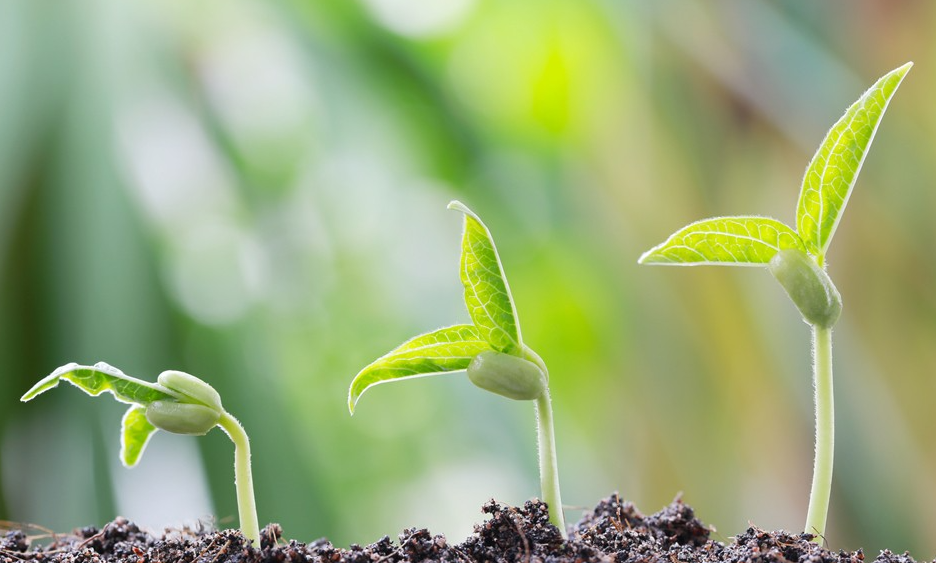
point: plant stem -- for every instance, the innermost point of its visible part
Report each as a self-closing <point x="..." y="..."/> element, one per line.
<point x="549" y="468"/>
<point x="243" y="479"/>
<point x="825" y="433"/>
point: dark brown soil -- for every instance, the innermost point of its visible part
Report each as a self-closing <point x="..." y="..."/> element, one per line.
<point x="613" y="532"/>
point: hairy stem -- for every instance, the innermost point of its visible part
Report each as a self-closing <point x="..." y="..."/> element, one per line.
<point x="243" y="479"/>
<point x="549" y="469"/>
<point x="825" y="433"/>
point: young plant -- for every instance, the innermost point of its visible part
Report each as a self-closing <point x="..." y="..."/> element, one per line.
<point x="179" y="403"/>
<point x="491" y="350"/>
<point x="797" y="258"/>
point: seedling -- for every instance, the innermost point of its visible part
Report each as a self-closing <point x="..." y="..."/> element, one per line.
<point x="797" y="258"/>
<point x="490" y="350"/>
<point x="179" y="403"/>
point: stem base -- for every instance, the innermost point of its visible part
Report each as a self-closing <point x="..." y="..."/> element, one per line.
<point x="825" y="433"/>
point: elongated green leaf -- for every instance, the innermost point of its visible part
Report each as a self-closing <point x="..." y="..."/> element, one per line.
<point x="487" y="294"/>
<point x="444" y="350"/>
<point x="135" y="433"/>
<point x="101" y="378"/>
<point x="734" y="241"/>
<point x="833" y="170"/>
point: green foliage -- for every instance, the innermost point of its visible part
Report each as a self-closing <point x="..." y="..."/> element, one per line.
<point x="833" y="170"/>
<point x="491" y="350"/>
<point x="490" y="305"/>
<point x="102" y="378"/>
<point x="827" y="185"/>
<point x="440" y="351"/>
<point x="487" y="294"/>
<point x="101" y="255"/>
<point x="755" y="241"/>
<point x="179" y="403"/>
<point x="135" y="433"/>
<point x="736" y="241"/>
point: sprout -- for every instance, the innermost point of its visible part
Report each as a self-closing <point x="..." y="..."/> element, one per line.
<point x="490" y="350"/>
<point x="179" y="403"/>
<point x="797" y="258"/>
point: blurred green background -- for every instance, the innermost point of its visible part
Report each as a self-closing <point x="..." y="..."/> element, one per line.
<point x="254" y="192"/>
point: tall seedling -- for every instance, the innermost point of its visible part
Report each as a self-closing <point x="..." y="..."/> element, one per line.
<point x="797" y="258"/>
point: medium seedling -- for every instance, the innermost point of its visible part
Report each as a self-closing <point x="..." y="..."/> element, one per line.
<point x="490" y="350"/>
<point x="797" y="258"/>
<point x="179" y="403"/>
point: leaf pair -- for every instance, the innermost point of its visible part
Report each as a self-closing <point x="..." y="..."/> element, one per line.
<point x="827" y="185"/>
<point x="179" y="403"/>
<point x="490" y="350"/>
<point x="490" y="305"/>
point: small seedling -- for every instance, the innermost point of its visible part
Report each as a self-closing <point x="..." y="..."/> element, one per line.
<point x="490" y="350"/>
<point x="179" y="403"/>
<point x="797" y="258"/>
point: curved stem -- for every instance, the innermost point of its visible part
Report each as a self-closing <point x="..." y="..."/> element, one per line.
<point x="243" y="479"/>
<point x="549" y="469"/>
<point x="825" y="433"/>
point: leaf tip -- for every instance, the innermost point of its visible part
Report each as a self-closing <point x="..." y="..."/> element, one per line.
<point x="29" y="395"/>
<point x="48" y="382"/>
<point x="459" y="206"/>
<point x="901" y="71"/>
<point x="355" y="390"/>
<point x="654" y="257"/>
<point x="135" y="433"/>
<point x="127" y="461"/>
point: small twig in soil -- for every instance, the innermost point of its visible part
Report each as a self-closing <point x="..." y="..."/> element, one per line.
<point x="461" y="553"/>
<point x="222" y="551"/>
<point x="9" y="525"/>
<point x="92" y="538"/>
<point x="523" y="538"/>
<point x="12" y="554"/>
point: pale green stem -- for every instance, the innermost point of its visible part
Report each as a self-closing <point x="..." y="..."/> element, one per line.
<point x="549" y="469"/>
<point x="825" y="433"/>
<point x="243" y="480"/>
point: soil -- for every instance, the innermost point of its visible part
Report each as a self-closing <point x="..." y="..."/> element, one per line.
<point x="613" y="532"/>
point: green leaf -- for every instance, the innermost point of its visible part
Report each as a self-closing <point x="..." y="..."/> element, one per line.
<point x="444" y="350"/>
<point x="487" y="294"/>
<point x="833" y="170"/>
<point x="735" y="241"/>
<point x="135" y="433"/>
<point x="101" y="378"/>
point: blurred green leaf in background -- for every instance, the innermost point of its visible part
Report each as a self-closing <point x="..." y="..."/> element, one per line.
<point x="255" y="193"/>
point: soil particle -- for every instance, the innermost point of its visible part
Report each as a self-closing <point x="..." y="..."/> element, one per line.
<point x="613" y="532"/>
<point x="14" y="541"/>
